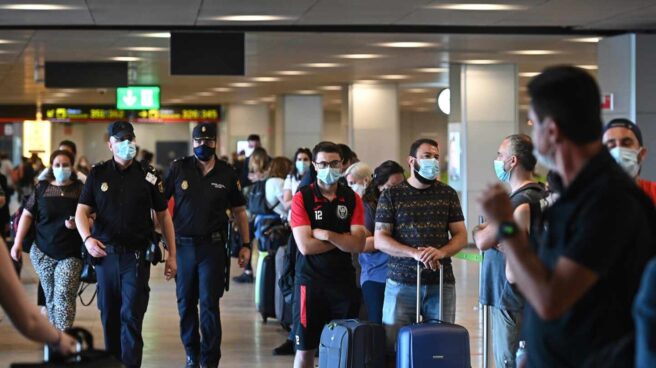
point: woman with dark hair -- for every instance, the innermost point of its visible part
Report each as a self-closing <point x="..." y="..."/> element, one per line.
<point x="373" y="262"/>
<point x="302" y="163"/>
<point x="56" y="256"/>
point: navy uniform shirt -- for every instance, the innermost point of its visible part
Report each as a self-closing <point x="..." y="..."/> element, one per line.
<point x="122" y="200"/>
<point x="201" y="201"/>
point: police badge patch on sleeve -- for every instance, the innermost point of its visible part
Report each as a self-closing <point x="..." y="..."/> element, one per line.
<point x="152" y="179"/>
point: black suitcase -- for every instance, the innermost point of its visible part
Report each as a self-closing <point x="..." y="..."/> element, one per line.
<point x="351" y="343"/>
<point x="86" y="357"/>
<point x="283" y="310"/>
<point x="432" y="343"/>
<point x="265" y="286"/>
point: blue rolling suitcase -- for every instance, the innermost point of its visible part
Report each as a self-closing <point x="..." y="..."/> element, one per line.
<point x="351" y="343"/>
<point x="432" y="343"/>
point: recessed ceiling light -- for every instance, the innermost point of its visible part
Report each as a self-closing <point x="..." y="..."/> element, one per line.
<point x="331" y="88"/>
<point x="394" y="76"/>
<point x="146" y="49"/>
<point x="126" y="58"/>
<point x="367" y="81"/>
<point x="586" y="39"/>
<point x="322" y="65"/>
<point x="407" y="103"/>
<point x="266" y="79"/>
<point x="205" y="94"/>
<point x="417" y="90"/>
<point x="291" y="72"/>
<point x="360" y="56"/>
<point x="251" y="102"/>
<point x="221" y="89"/>
<point x="428" y="100"/>
<point x="154" y="35"/>
<point x="422" y="109"/>
<point x="7" y="41"/>
<point x="268" y="99"/>
<point x="37" y="7"/>
<point x="251" y="18"/>
<point x="529" y="74"/>
<point x="175" y="100"/>
<point x="306" y="92"/>
<point x="432" y="70"/>
<point x="242" y="84"/>
<point x="481" y="62"/>
<point x="534" y="52"/>
<point x="407" y="44"/>
<point x="477" y="7"/>
<point x="588" y="67"/>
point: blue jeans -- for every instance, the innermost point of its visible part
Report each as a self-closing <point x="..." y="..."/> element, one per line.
<point x="399" y="308"/>
<point x="506" y="327"/>
<point x="373" y="294"/>
<point x="200" y="280"/>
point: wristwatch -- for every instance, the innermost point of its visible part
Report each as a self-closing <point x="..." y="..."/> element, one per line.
<point x="507" y="230"/>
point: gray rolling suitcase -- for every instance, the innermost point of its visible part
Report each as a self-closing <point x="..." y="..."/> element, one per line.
<point x="283" y="310"/>
<point x="351" y="343"/>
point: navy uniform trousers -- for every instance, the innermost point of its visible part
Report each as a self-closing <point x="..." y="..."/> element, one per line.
<point x="123" y="294"/>
<point x="201" y="278"/>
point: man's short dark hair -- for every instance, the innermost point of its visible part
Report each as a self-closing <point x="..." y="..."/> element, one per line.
<point x="571" y="97"/>
<point x="521" y="146"/>
<point x="347" y="153"/>
<point x="253" y="137"/>
<point x="416" y="144"/>
<point x="326" y="147"/>
<point x="69" y="144"/>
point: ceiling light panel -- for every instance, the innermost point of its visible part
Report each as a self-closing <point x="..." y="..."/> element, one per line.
<point x="478" y="7"/>
<point x="146" y="49"/>
<point x="322" y="65"/>
<point x="534" y="52"/>
<point x="266" y="79"/>
<point x="126" y="58"/>
<point x="407" y="44"/>
<point x="292" y="72"/>
<point x="37" y="7"/>
<point x="242" y="84"/>
<point x="360" y="56"/>
<point x="251" y="18"/>
<point x="432" y="70"/>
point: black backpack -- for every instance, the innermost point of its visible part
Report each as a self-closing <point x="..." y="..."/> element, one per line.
<point x="257" y="203"/>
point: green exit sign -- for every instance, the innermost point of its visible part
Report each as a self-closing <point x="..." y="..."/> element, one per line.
<point x="137" y="98"/>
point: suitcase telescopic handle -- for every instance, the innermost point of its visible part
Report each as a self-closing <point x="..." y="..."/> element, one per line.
<point x="441" y="293"/>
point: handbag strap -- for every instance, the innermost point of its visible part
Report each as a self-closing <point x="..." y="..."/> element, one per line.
<point x="83" y="287"/>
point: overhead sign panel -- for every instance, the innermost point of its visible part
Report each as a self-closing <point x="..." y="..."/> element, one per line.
<point x="137" y="98"/>
<point x="172" y="114"/>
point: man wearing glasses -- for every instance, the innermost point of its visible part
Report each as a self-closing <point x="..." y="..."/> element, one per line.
<point x="122" y="193"/>
<point x="204" y="188"/>
<point x="327" y="220"/>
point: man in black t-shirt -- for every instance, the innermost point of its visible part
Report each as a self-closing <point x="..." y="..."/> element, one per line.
<point x="419" y="220"/>
<point x="327" y="219"/>
<point x="581" y="283"/>
<point x="514" y="165"/>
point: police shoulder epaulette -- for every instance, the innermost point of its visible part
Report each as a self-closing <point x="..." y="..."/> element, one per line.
<point x="99" y="163"/>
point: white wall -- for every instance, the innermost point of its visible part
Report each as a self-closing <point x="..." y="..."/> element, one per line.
<point x="429" y="124"/>
<point x="301" y="119"/>
<point x="243" y="120"/>
<point x="91" y="138"/>
<point x="332" y="127"/>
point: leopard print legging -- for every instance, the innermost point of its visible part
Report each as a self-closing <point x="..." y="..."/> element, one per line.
<point x="60" y="280"/>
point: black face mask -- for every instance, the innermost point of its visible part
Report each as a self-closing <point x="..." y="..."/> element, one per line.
<point x="204" y="153"/>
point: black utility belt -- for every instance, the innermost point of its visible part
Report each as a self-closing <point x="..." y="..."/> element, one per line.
<point x="117" y="249"/>
<point x="215" y="236"/>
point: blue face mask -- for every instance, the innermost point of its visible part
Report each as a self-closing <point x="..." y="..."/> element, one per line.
<point x="502" y="174"/>
<point x="429" y="169"/>
<point x="302" y="167"/>
<point x="126" y="150"/>
<point x="329" y="175"/>
<point x="61" y="174"/>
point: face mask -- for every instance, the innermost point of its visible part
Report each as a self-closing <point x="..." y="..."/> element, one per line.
<point x="329" y="175"/>
<point x="61" y="173"/>
<point x="126" y="150"/>
<point x="545" y="160"/>
<point x="204" y="153"/>
<point x="428" y="169"/>
<point x="628" y="159"/>
<point x="502" y="174"/>
<point x="302" y="167"/>
<point x="359" y="188"/>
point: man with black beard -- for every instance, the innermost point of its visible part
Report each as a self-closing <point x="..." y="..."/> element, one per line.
<point x="204" y="188"/>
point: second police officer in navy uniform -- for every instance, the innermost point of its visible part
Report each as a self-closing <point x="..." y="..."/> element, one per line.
<point x="122" y="193"/>
<point x="204" y="188"/>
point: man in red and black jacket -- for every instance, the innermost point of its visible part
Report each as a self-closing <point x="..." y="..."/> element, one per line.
<point x="327" y="219"/>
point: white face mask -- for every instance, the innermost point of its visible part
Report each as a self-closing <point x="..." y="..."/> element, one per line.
<point x="359" y="188"/>
<point x="545" y="160"/>
<point x="628" y="159"/>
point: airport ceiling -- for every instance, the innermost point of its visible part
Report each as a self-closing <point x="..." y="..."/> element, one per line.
<point x="293" y="49"/>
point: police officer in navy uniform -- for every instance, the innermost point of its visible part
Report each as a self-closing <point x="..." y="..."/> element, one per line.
<point x="122" y="193"/>
<point x="204" y="188"/>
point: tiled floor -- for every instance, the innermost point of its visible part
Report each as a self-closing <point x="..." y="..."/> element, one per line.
<point x="247" y="342"/>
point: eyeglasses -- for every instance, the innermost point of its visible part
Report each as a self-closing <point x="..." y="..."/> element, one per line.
<point x="333" y="164"/>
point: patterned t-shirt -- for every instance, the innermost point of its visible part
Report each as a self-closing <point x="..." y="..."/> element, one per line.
<point x="419" y="218"/>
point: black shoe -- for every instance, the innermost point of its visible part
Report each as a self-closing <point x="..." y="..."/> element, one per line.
<point x="286" y="348"/>
<point x="192" y="363"/>
<point x="244" y="278"/>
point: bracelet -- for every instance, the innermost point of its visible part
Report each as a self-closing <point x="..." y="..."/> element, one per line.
<point x="85" y="239"/>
